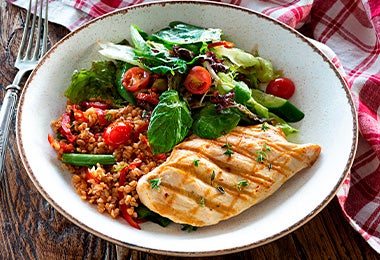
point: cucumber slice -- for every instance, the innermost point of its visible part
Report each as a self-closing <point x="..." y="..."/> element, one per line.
<point x="279" y="106"/>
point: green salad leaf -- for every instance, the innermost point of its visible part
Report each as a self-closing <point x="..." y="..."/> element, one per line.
<point x="170" y="122"/>
<point x="211" y="125"/>
<point x="97" y="82"/>
<point x="262" y="68"/>
<point x="182" y="33"/>
<point x="144" y="213"/>
<point x="150" y="55"/>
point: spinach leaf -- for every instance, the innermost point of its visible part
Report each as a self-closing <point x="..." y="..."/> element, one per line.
<point x="210" y="124"/>
<point x="182" y="33"/>
<point x="98" y="82"/>
<point x="170" y="122"/>
<point x="145" y="213"/>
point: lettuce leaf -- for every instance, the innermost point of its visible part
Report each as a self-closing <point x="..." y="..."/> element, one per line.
<point x="98" y="82"/>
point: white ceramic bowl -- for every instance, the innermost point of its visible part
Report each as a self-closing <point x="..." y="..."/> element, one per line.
<point x="330" y="121"/>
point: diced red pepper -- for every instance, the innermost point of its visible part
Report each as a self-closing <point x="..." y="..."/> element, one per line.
<point x="79" y="115"/>
<point x="123" y="208"/>
<point x="91" y="176"/>
<point x="65" y="128"/>
<point x="146" y="142"/>
<point x="225" y="44"/>
<point x="96" y="104"/>
<point x="60" y="145"/>
<point x="97" y="136"/>
<point x="161" y="156"/>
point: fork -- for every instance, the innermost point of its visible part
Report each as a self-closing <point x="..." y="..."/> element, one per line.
<point x="33" y="46"/>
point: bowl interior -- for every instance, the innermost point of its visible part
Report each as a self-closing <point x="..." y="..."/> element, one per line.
<point x="321" y="94"/>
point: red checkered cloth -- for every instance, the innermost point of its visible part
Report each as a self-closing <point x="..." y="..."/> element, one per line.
<point x="351" y="28"/>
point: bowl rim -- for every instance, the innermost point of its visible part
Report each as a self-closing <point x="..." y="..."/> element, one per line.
<point x="261" y="242"/>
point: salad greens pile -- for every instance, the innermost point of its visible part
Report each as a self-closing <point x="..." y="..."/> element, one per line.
<point x="234" y="98"/>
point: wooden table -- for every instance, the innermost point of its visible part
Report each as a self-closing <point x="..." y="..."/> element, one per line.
<point x="31" y="228"/>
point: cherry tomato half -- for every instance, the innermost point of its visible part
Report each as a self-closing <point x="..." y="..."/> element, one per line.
<point x="198" y="81"/>
<point x="135" y="78"/>
<point x="281" y="87"/>
<point x="117" y="133"/>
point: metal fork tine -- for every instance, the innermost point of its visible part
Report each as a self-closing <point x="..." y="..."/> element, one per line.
<point x="25" y="33"/>
<point x="39" y="31"/>
<point x="31" y="35"/>
<point x="44" y="39"/>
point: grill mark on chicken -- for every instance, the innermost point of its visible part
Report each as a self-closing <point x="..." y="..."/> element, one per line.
<point x="222" y="164"/>
<point x="210" y="193"/>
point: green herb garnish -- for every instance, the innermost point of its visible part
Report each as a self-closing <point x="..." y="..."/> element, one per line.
<point x="196" y="161"/>
<point x="108" y="117"/>
<point x="120" y="167"/>
<point x="212" y="176"/>
<point x="262" y="154"/>
<point x="154" y="183"/>
<point x="228" y="151"/>
<point x="264" y="126"/>
<point x="242" y="183"/>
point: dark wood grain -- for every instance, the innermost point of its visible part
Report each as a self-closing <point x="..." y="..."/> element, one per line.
<point x="32" y="229"/>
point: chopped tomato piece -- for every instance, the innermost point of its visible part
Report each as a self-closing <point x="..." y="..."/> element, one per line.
<point x="198" y="81"/>
<point x="135" y="78"/>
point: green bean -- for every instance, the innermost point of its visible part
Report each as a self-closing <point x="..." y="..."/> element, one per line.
<point x="88" y="159"/>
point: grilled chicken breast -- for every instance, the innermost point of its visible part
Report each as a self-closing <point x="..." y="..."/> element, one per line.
<point x="206" y="181"/>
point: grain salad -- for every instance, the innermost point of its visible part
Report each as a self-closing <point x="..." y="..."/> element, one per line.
<point x="100" y="184"/>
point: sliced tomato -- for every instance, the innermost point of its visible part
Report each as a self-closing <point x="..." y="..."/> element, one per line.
<point x="135" y="78"/>
<point x="198" y="81"/>
<point x="117" y="133"/>
<point x="281" y="87"/>
<point x="221" y="43"/>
